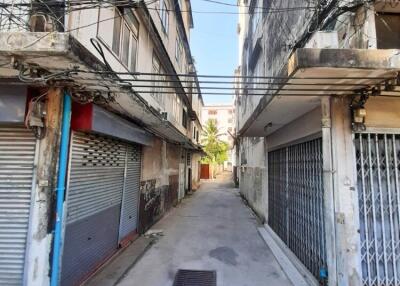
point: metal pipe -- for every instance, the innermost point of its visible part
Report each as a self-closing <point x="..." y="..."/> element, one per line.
<point x="62" y="172"/>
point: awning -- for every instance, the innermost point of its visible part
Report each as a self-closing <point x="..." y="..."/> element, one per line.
<point x="313" y="73"/>
<point x="57" y="52"/>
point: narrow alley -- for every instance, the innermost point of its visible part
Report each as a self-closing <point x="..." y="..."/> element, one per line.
<point x="212" y="230"/>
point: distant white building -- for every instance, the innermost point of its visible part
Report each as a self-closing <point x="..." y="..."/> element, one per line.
<point x="224" y="114"/>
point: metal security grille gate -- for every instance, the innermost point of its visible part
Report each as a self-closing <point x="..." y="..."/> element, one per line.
<point x="98" y="168"/>
<point x="296" y="202"/>
<point x="17" y="159"/>
<point x="130" y="200"/>
<point x="378" y="181"/>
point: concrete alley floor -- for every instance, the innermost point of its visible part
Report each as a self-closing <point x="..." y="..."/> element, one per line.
<point x="212" y="230"/>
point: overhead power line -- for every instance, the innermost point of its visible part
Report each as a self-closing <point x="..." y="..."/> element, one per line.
<point x="135" y="74"/>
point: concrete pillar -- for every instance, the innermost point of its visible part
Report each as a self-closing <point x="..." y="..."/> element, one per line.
<point x="329" y="201"/>
<point x="38" y="252"/>
<point x="348" y="260"/>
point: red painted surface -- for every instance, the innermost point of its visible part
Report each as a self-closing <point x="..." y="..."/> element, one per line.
<point x="205" y="171"/>
<point x="82" y="116"/>
<point x="128" y="239"/>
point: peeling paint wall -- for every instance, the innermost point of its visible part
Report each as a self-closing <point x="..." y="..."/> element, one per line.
<point x="41" y="217"/>
<point x="253" y="174"/>
<point x="159" y="182"/>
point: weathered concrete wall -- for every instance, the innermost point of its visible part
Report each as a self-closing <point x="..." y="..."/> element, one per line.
<point x="345" y="196"/>
<point x="279" y="34"/>
<point x="160" y="181"/>
<point x="196" y="171"/>
<point x="42" y="212"/>
<point x="253" y="174"/>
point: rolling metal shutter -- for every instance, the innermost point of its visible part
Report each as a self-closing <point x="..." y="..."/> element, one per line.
<point x="378" y="181"/>
<point x="130" y="198"/>
<point x="17" y="160"/>
<point x="96" y="180"/>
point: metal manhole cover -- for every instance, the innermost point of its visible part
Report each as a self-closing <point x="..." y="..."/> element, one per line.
<point x="195" y="278"/>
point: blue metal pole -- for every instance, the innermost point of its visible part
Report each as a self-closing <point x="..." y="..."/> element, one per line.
<point x="62" y="173"/>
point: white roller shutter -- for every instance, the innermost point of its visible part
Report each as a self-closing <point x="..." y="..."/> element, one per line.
<point x="130" y="200"/>
<point x="96" y="175"/>
<point x="102" y="202"/>
<point x="17" y="159"/>
<point x="96" y="180"/>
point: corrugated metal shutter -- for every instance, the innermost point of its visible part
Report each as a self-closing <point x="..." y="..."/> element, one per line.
<point x="94" y="196"/>
<point x="130" y="198"/>
<point x="96" y="177"/>
<point x="17" y="158"/>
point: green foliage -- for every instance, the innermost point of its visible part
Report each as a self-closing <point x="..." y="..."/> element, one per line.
<point x="215" y="148"/>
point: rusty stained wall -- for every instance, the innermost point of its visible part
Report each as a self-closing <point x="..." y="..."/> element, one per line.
<point x="42" y="212"/>
<point x="159" y="183"/>
<point x="253" y="174"/>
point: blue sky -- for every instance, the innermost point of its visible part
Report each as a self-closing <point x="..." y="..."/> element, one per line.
<point x="214" y="43"/>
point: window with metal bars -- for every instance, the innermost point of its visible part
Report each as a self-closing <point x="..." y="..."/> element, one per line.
<point x="296" y="202"/>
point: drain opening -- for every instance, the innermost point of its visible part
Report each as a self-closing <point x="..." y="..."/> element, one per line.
<point x="195" y="278"/>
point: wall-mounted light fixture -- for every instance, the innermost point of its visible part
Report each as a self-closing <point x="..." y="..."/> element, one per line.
<point x="358" y="111"/>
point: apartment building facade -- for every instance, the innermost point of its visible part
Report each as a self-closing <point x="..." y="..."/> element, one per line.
<point x="224" y="117"/>
<point x="98" y="132"/>
<point x="318" y="134"/>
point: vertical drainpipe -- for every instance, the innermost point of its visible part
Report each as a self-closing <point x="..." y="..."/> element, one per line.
<point x="62" y="172"/>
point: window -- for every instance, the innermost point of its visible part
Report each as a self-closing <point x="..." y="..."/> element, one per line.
<point x="157" y="77"/>
<point x="178" y="49"/>
<point x="194" y="132"/>
<point x="125" y="35"/>
<point x="176" y="103"/>
<point x="230" y="121"/>
<point x="197" y="136"/>
<point x="164" y="15"/>
<point x="255" y="14"/>
<point x="184" y="118"/>
<point x="388" y="30"/>
<point x="212" y="112"/>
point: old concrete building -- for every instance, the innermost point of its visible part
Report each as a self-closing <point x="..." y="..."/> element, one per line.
<point x="224" y="116"/>
<point x="99" y="135"/>
<point x="318" y="126"/>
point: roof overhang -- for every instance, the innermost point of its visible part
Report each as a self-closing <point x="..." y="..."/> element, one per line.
<point x="57" y="52"/>
<point x="331" y="72"/>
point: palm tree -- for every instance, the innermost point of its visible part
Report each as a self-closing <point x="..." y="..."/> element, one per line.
<point x="215" y="148"/>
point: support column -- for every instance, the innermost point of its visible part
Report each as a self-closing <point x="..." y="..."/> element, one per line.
<point x="345" y="196"/>
<point x="41" y="217"/>
<point x="329" y="199"/>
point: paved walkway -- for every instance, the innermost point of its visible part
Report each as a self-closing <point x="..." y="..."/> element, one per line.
<point x="212" y="230"/>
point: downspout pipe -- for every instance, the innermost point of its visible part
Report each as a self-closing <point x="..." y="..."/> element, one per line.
<point x="62" y="173"/>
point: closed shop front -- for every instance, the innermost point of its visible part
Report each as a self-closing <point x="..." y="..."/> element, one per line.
<point x="130" y="196"/>
<point x="17" y="176"/>
<point x="102" y="202"/>
<point x="378" y="186"/>
<point x="296" y="202"/>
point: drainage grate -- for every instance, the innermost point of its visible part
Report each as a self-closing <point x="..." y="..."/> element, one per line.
<point x="195" y="278"/>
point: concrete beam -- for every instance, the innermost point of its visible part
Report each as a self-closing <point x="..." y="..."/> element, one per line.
<point x="341" y="65"/>
<point x="344" y="58"/>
